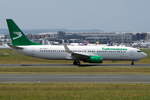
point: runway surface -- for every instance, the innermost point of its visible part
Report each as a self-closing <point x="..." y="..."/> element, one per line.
<point x="101" y="78"/>
<point x="40" y="78"/>
<point x="71" y="65"/>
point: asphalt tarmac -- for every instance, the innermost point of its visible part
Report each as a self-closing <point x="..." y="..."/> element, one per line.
<point x="101" y="78"/>
<point x="104" y="78"/>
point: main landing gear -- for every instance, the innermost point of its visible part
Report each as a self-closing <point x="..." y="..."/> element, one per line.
<point x="76" y="62"/>
<point x="132" y="62"/>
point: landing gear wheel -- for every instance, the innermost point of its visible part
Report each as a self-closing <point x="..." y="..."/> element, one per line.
<point x="132" y="63"/>
<point x="76" y="62"/>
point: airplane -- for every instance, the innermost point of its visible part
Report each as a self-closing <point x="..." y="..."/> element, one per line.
<point x="90" y="54"/>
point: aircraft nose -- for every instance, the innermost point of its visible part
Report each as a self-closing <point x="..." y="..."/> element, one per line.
<point x="145" y="55"/>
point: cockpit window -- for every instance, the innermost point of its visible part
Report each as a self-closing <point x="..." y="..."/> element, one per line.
<point x="139" y="51"/>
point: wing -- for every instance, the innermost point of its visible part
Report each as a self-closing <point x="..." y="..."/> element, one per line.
<point x="75" y="55"/>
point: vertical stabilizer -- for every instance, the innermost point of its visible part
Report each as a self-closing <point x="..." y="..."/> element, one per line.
<point x="17" y="36"/>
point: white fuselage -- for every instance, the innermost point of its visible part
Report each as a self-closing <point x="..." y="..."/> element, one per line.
<point x="107" y="52"/>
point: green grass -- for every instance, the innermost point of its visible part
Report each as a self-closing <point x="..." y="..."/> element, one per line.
<point x="77" y="70"/>
<point x="9" y="56"/>
<point x="74" y="91"/>
<point x="69" y="91"/>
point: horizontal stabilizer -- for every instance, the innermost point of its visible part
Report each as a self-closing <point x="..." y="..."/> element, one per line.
<point x="14" y="47"/>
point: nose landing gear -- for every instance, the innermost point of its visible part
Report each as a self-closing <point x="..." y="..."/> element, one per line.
<point x="132" y="62"/>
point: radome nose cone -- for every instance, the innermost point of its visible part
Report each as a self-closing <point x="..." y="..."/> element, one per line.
<point x="145" y="55"/>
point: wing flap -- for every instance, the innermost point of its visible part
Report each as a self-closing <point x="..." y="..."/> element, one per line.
<point x="79" y="56"/>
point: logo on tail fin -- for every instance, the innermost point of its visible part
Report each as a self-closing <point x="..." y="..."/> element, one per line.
<point x="19" y="34"/>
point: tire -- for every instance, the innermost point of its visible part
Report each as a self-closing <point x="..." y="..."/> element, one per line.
<point x="76" y="62"/>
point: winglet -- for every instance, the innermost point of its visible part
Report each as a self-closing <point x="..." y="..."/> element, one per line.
<point x="67" y="49"/>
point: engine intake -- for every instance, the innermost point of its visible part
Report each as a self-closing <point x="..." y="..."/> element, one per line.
<point x="95" y="59"/>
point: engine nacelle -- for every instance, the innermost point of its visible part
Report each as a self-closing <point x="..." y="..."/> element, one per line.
<point x="95" y="59"/>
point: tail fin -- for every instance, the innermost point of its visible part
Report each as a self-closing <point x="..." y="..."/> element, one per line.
<point x="17" y="36"/>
